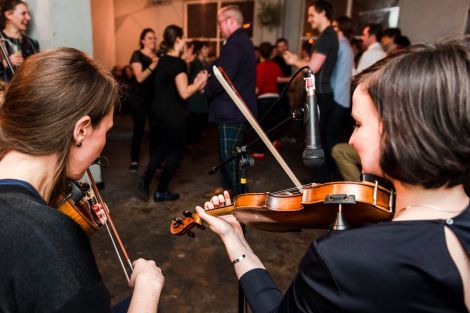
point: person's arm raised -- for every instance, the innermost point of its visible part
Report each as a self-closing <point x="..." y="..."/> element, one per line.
<point x="142" y="75"/>
<point x="186" y="90"/>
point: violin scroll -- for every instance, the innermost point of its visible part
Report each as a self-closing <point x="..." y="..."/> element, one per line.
<point x="180" y="227"/>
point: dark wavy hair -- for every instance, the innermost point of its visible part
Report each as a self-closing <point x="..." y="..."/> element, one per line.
<point x="143" y="34"/>
<point x="8" y="5"/>
<point x="321" y="6"/>
<point x="170" y="34"/>
<point x="422" y="96"/>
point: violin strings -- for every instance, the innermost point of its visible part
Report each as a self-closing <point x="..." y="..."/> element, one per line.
<point x="117" y="252"/>
<point x="291" y="190"/>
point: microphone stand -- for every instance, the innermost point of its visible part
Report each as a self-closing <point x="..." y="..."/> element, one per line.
<point x="296" y="115"/>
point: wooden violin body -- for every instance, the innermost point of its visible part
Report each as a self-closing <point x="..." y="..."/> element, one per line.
<point x="316" y="207"/>
<point x="80" y="204"/>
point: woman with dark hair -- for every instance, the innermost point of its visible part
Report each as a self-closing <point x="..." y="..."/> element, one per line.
<point x="168" y="113"/>
<point x="143" y="63"/>
<point x="412" y="115"/>
<point x="14" y="20"/>
<point x="54" y="118"/>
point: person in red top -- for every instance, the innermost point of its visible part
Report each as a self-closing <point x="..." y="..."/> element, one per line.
<point x="268" y="75"/>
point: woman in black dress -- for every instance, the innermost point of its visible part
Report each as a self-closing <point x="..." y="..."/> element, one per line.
<point x="143" y="62"/>
<point x="168" y="113"/>
<point x="412" y="115"/>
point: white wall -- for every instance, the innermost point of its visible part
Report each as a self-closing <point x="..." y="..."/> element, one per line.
<point x="131" y="17"/>
<point x="62" y="23"/>
<point x="431" y="20"/>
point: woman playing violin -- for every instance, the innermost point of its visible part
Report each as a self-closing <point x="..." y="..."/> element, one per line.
<point x="54" y="118"/>
<point x="412" y="115"/>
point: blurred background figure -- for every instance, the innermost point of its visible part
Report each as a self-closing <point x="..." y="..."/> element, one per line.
<point x="129" y="85"/>
<point x="143" y="63"/>
<point x="270" y="113"/>
<point x="167" y="117"/>
<point x="198" y="108"/>
<point x="14" y="21"/>
<point x="388" y="39"/>
<point x="371" y="35"/>
<point x="401" y="42"/>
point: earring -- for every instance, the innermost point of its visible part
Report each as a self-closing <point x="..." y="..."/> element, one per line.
<point x="79" y="144"/>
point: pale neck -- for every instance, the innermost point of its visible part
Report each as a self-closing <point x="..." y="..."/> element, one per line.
<point x="450" y="201"/>
<point x="173" y="53"/>
<point x="36" y="170"/>
<point x="12" y="31"/>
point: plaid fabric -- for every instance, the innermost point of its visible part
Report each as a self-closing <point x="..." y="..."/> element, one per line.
<point x="231" y="135"/>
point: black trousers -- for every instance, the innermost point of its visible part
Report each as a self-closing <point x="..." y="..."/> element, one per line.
<point x="195" y="125"/>
<point x="140" y="111"/>
<point x="169" y="147"/>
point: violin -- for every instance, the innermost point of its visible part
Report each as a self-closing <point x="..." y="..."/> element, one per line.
<point x="311" y="206"/>
<point x="316" y="207"/>
<point x="80" y="204"/>
<point x="83" y="203"/>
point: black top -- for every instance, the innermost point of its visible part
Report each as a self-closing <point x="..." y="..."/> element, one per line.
<point x="145" y="88"/>
<point x="285" y="68"/>
<point x="400" y="266"/>
<point x="46" y="259"/>
<point x="197" y="103"/>
<point x="25" y="44"/>
<point x="327" y="45"/>
<point x="239" y="62"/>
<point x="168" y="106"/>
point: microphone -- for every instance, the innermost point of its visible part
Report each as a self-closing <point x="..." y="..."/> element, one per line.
<point x="313" y="154"/>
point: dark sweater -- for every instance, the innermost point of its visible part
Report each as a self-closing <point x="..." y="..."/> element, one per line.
<point x="239" y="62"/>
<point x="400" y="266"/>
<point x="46" y="259"/>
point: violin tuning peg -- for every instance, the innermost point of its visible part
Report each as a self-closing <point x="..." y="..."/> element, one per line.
<point x="191" y="234"/>
<point x="177" y="221"/>
<point x="187" y="213"/>
<point x="201" y="227"/>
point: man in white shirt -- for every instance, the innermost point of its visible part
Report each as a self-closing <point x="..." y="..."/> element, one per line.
<point x="371" y="41"/>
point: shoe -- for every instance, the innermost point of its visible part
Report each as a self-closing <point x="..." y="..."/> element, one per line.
<point x="133" y="167"/>
<point x="258" y="156"/>
<point x="142" y="190"/>
<point x="277" y="144"/>
<point x="165" y="196"/>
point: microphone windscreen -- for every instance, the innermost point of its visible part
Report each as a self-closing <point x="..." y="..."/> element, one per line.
<point x="313" y="157"/>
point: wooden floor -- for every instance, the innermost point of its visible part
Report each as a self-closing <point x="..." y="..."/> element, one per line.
<point x="198" y="274"/>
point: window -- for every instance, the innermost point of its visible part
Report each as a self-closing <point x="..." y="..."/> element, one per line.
<point x="201" y="20"/>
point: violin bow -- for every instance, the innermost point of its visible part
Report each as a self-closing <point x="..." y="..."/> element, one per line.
<point x="114" y="231"/>
<point x="227" y="84"/>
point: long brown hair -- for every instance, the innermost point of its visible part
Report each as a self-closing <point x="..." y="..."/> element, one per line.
<point x="48" y="94"/>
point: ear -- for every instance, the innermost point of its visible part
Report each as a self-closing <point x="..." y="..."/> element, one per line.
<point x="82" y="129"/>
<point x="8" y="13"/>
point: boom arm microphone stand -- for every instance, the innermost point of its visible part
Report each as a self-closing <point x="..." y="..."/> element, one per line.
<point x="243" y="160"/>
